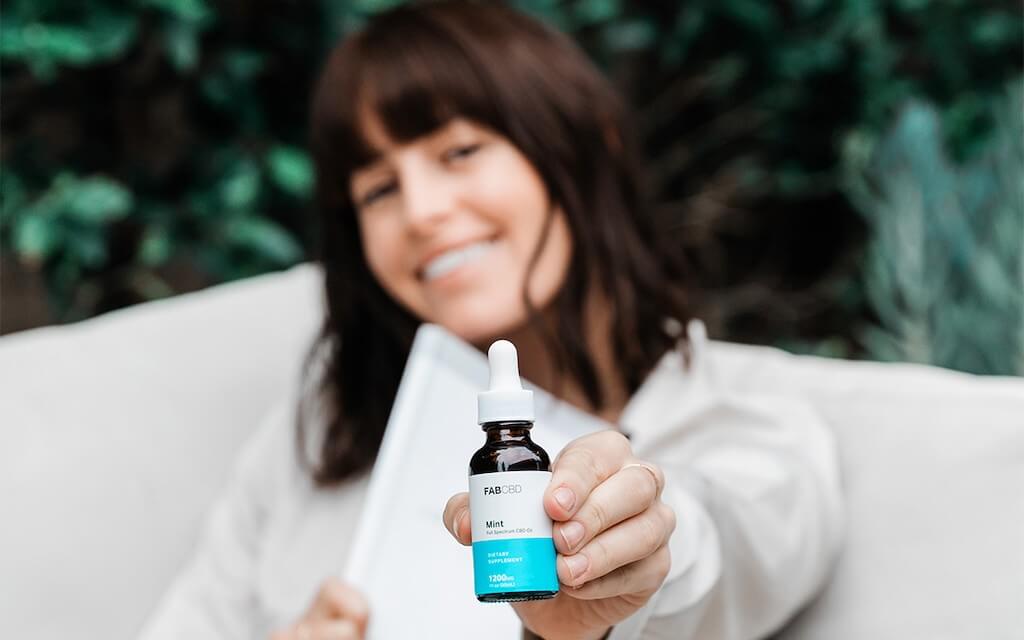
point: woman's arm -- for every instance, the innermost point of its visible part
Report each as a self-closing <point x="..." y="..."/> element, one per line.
<point x="754" y="482"/>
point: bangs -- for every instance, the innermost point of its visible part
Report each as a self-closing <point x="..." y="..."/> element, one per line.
<point x="410" y="76"/>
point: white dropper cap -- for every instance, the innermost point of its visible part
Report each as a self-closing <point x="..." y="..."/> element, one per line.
<point x="505" y="400"/>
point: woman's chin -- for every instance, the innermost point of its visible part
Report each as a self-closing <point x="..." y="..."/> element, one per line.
<point x="478" y="337"/>
<point x="480" y="333"/>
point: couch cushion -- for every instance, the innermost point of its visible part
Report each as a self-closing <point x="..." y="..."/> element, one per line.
<point x="933" y="465"/>
<point x="116" y="432"/>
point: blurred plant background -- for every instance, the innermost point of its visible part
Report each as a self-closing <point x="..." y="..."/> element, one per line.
<point x="846" y="176"/>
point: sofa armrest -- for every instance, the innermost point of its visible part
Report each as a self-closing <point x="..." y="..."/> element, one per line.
<point x="117" y="432"/>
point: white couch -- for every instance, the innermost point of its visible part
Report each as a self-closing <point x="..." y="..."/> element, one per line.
<point x="115" y="433"/>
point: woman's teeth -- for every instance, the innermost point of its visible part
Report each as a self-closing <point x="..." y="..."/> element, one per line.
<point x="451" y="260"/>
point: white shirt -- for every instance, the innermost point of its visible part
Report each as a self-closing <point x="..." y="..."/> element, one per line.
<point x="753" y="480"/>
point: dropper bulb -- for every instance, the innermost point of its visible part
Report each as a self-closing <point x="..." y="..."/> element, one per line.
<point x="505" y="399"/>
<point x="504" y="363"/>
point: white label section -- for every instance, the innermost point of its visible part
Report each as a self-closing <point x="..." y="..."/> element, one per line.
<point x="509" y="504"/>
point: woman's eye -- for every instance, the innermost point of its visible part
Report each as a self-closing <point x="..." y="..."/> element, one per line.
<point x="460" y="152"/>
<point x="377" y="193"/>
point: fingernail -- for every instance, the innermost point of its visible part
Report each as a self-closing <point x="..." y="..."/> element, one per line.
<point x="565" y="497"/>
<point x="572" y="533"/>
<point x="577" y="566"/>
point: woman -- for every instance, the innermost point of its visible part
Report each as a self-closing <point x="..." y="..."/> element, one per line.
<point x="475" y="171"/>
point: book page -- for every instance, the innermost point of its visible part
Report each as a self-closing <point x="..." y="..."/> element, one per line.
<point x="418" y="579"/>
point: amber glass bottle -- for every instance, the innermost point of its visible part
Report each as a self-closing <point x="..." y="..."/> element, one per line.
<point x="513" y="553"/>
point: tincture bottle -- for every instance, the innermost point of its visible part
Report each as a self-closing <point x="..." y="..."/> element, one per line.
<point x="513" y="552"/>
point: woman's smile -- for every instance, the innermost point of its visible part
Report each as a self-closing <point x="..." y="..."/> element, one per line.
<point x="449" y="264"/>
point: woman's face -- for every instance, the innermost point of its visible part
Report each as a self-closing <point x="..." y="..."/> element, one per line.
<point x="449" y="223"/>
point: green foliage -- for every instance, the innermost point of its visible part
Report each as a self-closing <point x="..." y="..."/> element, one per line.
<point x="159" y="145"/>
<point x="944" y="270"/>
<point x="153" y="146"/>
<point x="95" y="37"/>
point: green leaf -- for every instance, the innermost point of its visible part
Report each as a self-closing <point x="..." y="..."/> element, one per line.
<point x="64" y="44"/>
<point x="111" y="34"/>
<point x="630" y="35"/>
<point x="243" y="64"/>
<point x="755" y="15"/>
<point x="88" y="246"/>
<point x="193" y="11"/>
<point x="12" y="42"/>
<point x="291" y="170"/>
<point x="911" y="6"/>
<point x="98" y="200"/>
<point x="807" y="8"/>
<point x="36" y="236"/>
<point x="595" y="12"/>
<point x="689" y="26"/>
<point x="374" y="6"/>
<point x="995" y="29"/>
<point x="239" y="189"/>
<point x="181" y="40"/>
<point x="549" y="11"/>
<point x="43" y="45"/>
<point x="216" y="89"/>
<point x="265" y="238"/>
<point x="155" y="248"/>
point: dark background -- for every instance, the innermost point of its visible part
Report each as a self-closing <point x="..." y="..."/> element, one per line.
<point x="847" y="177"/>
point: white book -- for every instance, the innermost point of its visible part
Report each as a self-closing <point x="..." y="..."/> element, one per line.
<point x="418" y="579"/>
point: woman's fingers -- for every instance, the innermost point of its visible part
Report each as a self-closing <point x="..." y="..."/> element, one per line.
<point x="456" y="518"/>
<point x="325" y="630"/>
<point x="626" y="542"/>
<point x="641" y="577"/>
<point x="581" y="466"/>
<point x="339" y="612"/>
<point x="630" y="491"/>
<point x="337" y="630"/>
<point x="337" y="602"/>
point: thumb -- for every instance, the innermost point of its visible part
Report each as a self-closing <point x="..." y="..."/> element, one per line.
<point x="456" y="518"/>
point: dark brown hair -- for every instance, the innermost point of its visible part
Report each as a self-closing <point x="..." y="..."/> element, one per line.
<point x="416" y="67"/>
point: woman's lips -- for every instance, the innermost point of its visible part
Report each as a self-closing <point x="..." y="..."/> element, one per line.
<point x="453" y="259"/>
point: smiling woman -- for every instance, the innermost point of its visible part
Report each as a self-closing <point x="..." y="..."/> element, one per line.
<point x="474" y="170"/>
<point x="480" y="129"/>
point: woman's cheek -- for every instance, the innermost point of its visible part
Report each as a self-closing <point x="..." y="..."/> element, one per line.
<point x="384" y="257"/>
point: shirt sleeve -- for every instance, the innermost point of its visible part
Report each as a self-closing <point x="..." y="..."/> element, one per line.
<point x="754" y="482"/>
<point x="213" y="596"/>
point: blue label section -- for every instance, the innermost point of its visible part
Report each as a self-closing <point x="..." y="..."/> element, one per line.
<point x="515" y="564"/>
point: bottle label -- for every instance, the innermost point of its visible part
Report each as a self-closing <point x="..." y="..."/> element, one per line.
<point x="512" y="546"/>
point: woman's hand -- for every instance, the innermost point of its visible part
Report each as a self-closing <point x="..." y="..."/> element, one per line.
<point x="611" y="533"/>
<point x="339" y="612"/>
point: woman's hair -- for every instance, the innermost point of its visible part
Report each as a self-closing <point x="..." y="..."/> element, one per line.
<point x="417" y="67"/>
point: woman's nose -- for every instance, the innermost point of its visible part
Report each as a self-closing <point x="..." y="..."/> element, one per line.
<point x="428" y="199"/>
